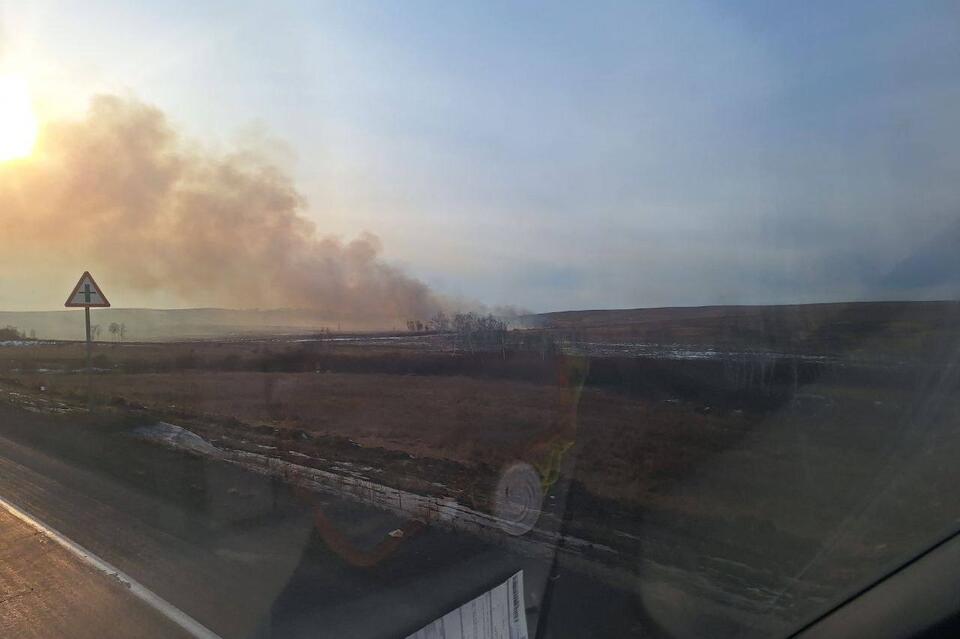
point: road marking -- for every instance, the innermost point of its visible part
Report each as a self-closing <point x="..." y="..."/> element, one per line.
<point x="137" y="589"/>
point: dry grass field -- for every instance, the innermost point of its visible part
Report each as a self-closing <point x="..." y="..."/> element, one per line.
<point x="476" y="423"/>
<point x="728" y="468"/>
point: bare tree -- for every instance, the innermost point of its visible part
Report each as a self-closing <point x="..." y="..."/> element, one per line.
<point x="440" y="322"/>
<point x="477" y="332"/>
<point x="10" y="332"/>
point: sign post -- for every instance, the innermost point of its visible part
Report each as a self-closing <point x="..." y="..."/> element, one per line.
<point x="88" y="295"/>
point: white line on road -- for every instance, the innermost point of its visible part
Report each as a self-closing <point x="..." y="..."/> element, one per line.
<point x="138" y="590"/>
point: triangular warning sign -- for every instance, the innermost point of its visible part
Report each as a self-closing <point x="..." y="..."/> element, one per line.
<point x="87" y="293"/>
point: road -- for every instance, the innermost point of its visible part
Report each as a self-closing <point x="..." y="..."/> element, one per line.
<point x="45" y="591"/>
<point x="247" y="557"/>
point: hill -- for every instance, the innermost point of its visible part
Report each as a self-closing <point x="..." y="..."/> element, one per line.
<point x="168" y="324"/>
<point x="819" y="328"/>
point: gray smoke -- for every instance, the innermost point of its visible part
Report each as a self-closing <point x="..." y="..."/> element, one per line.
<point x="119" y="191"/>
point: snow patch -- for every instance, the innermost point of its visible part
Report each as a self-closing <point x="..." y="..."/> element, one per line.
<point x="177" y="437"/>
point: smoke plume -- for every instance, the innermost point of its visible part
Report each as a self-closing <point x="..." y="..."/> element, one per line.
<point x="120" y="192"/>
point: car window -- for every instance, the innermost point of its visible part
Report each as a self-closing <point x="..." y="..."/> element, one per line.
<point x="475" y="319"/>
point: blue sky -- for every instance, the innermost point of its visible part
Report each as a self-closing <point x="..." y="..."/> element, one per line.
<point x="564" y="155"/>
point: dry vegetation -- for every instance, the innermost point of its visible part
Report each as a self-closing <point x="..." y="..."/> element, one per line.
<point x="758" y="464"/>
<point x="624" y="441"/>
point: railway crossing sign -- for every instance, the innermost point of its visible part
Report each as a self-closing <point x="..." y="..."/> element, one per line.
<point x="87" y="294"/>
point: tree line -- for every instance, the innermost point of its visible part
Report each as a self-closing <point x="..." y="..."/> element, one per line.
<point x="475" y="332"/>
<point x="13" y="333"/>
<point x="117" y="330"/>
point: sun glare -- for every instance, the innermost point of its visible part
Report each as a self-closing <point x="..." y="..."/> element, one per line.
<point x="18" y="124"/>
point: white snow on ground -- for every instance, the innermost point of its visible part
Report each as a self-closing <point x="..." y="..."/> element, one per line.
<point x="177" y="437"/>
<point x="346" y="483"/>
<point x="23" y="342"/>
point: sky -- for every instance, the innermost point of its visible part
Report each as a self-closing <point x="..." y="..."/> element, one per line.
<point x="565" y="155"/>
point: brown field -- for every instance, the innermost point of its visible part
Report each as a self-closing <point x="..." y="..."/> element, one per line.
<point x="744" y="467"/>
<point x="472" y="422"/>
<point x="634" y="444"/>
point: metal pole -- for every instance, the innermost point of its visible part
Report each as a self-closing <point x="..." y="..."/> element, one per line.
<point x="86" y="312"/>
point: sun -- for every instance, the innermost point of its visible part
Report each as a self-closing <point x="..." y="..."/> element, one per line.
<point x="18" y="124"/>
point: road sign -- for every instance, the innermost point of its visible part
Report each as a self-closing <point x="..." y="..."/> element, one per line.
<point x="87" y="294"/>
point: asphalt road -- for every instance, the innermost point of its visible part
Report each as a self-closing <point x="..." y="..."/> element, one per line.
<point x="45" y="591"/>
<point x="247" y="557"/>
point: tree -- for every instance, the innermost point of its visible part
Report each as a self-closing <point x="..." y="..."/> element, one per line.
<point x="114" y="330"/>
<point x="478" y="332"/>
<point x="95" y="332"/>
<point x="440" y="322"/>
<point x="123" y="330"/>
